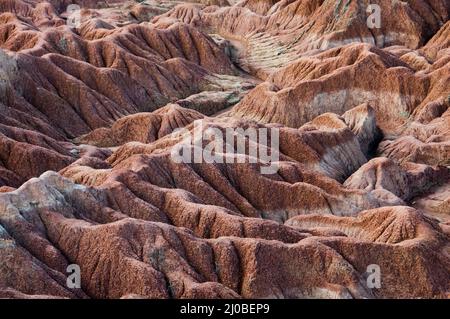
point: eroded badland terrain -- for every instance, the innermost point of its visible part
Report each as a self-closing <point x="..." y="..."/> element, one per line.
<point x="89" y="103"/>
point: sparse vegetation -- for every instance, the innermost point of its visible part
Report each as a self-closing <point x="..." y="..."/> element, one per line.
<point x="63" y="45"/>
<point x="8" y="73"/>
<point x="157" y="258"/>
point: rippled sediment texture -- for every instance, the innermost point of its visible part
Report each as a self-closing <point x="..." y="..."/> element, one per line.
<point x="87" y="177"/>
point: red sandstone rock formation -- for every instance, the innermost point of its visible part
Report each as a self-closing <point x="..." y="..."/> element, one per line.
<point x="142" y="127"/>
<point x="90" y="117"/>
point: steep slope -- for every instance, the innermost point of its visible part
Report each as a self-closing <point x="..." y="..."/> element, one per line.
<point x="127" y="149"/>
